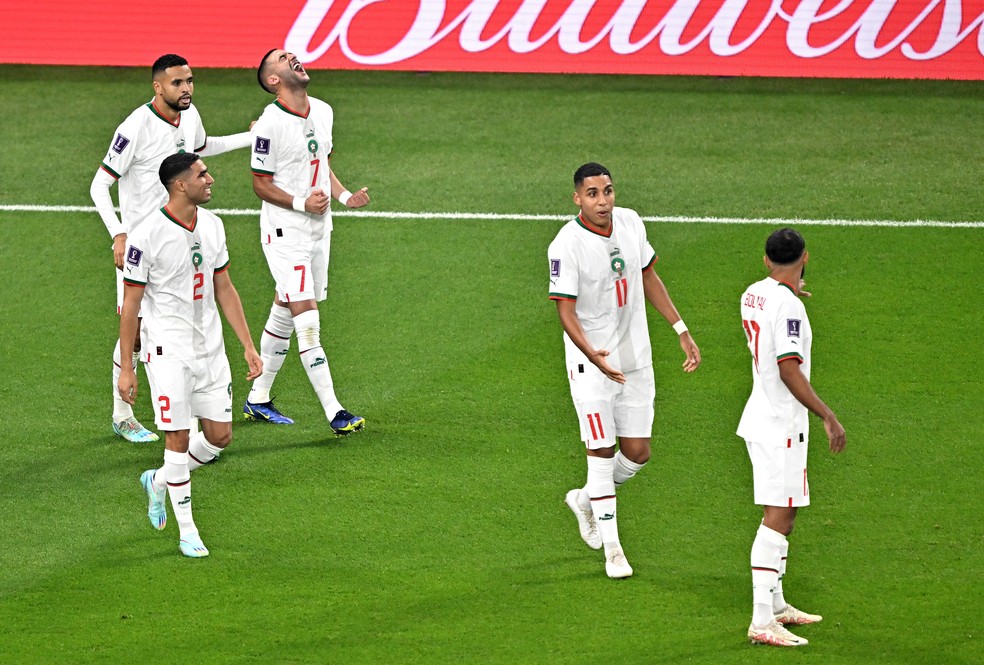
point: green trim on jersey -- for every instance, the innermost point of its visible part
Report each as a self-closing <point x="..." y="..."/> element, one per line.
<point x="261" y="172"/>
<point x="791" y="289"/>
<point x="224" y="266"/>
<point x="290" y="111"/>
<point x="134" y="282"/>
<point x="584" y="226"/>
<point x="651" y="263"/>
<point x="153" y="109"/>
<point x="194" y="222"/>
<point x="110" y="171"/>
<point x="787" y="356"/>
<point x="563" y="296"/>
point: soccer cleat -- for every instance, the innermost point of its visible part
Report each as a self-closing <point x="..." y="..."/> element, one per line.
<point x="585" y="521"/>
<point x="157" y="510"/>
<point x="794" y="617"/>
<point x="193" y="546"/>
<point x="617" y="566"/>
<point x="775" y="634"/>
<point x="267" y="412"/>
<point x="344" y="423"/>
<point x="133" y="431"/>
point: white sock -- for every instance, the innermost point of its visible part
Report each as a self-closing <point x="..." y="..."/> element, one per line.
<point x="624" y="469"/>
<point x="308" y="327"/>
<point x="601" y="488"/>
<point x="121" y="410"/>
<point x="200" y="451"/>
<point x="765" y="561"/>
<point x="778" y="600"/>
<point x="584" y="499"/>
<point x="179" y="489"/>
<point x="274" y="345"/>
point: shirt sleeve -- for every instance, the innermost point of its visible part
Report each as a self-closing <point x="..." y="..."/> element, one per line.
<point x="563" y="271"/>
<point x="787" y="328"/>
<point x="648" y="254"/>
<point x="222" y="260"/>
<point x="122" y="149"/>
<point x="262" y="160"/>
<point x="138" y="259"/>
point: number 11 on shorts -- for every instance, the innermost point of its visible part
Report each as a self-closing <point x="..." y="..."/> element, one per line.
<point x="594" y="422"/>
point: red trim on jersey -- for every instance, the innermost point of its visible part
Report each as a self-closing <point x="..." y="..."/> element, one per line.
<point x="789" y="443"/>
<point x="284" y="106"/>
<point x="790" y="505"/>
<point x="106" y="169"/>
<point x="261" y="174"/>
<point x="788" y="286"/>
<point x="791" y="356"/>
<point x="190" y="226"/>
<point x="221" y="270"/>
<point x="562" y="298"/>
<point x="163" y="117"/>
<point x="649" y="266"/>
<point x="588" y="226"/>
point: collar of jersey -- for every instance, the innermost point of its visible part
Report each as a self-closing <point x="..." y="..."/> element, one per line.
<point x="187" y="227"/>
<point x="785" y="284"/>
<point x="286" y="109"/>
<point x="153" y="109"/>
<point x="587" y="226"/>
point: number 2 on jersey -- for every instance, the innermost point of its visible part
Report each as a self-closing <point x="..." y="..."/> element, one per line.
<point x="752" y="330"/>
<point x="199" y="283"/>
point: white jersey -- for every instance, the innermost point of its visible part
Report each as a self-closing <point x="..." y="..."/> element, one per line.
<point x="603" y="274"/>
<point x="293" y="149"/>
<point x="134" y="157"/>
<point x="777" y="329"/>
<point x="176" y="264"/>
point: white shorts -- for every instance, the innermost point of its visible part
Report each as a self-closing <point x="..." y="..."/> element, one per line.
<point x="300" y="272"/>
<point x="779" y="472"/>
<point x="187" y="389"/>
<point x="606" y="410"/>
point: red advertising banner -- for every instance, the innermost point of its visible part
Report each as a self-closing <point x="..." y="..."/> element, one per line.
<point x="939" y="39"/>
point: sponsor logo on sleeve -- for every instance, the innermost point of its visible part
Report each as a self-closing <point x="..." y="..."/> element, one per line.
<point x="262" y="146"/>
<point x="555" y="267"/>
<point x="120" y="143"/>
<point x="133" y="256"/>
<point x="792" y="327"/>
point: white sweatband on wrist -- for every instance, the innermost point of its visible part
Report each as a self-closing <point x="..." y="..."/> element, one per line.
<point x="680" y="327"/>
<point x="344" y="197"/>
<point x="298" y="203"/>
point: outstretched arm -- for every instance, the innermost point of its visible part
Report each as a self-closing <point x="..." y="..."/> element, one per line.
<point x="659" y="298"/>
<point x="566" y="309"/>
<point x="232" y="307"/>
<point x="799" y="386"/>
<point x="216" y="145"/>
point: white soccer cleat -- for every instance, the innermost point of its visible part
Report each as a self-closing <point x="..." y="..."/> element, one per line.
<point x="775" y="634"/>
<point x="794" y="617"/>
<point x="585" y="521"/>
<point x="617" y="566"/>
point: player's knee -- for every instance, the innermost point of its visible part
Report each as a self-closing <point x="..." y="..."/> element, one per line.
<point x="222" y="438"/>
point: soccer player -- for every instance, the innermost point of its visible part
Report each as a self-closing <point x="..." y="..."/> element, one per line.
<point x="292" y="146"/>
<point x="601" y="275"/>
<point x="177" y="268"/>
<point x="169" y="123"/>
<point x="776" y="428"/>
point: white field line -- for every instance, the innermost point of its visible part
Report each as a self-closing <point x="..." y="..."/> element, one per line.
<point x="481" y="216"/>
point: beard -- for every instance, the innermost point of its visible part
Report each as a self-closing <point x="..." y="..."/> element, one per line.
<point x="178" y="105"/>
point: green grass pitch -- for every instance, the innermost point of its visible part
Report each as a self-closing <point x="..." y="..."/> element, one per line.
<point x="438" y="535"/>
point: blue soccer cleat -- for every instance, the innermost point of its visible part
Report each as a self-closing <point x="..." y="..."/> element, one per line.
<point x="193" y="546"/>
<point x="344" y="423"/>
<point x="265" y="412"/>
<point x="131" y="430"/>
<point x="157" y="510"/>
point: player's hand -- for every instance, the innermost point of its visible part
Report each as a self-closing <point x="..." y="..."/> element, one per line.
<point x="805" y="294"/>
<point x="127" y="386"/>
<point x="318" y="202"/>
<point x="835" y="432"/>
<point x="359" y="198"/>
<point x="119" y="249"/>
<point x="689" y="347"/>
<point x="598" y="360"/>
<point x="255" y="364"/>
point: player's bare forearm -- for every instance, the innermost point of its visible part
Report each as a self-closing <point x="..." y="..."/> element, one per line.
<point x="315" y="203"/>
<point x="356" y="200"/>
<point x="659" y="298"/>
<point x="802" y="390"/>
<point x="129" y="324"/>
<point x="232" y="308"/>
<point x="566" y="309"/>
